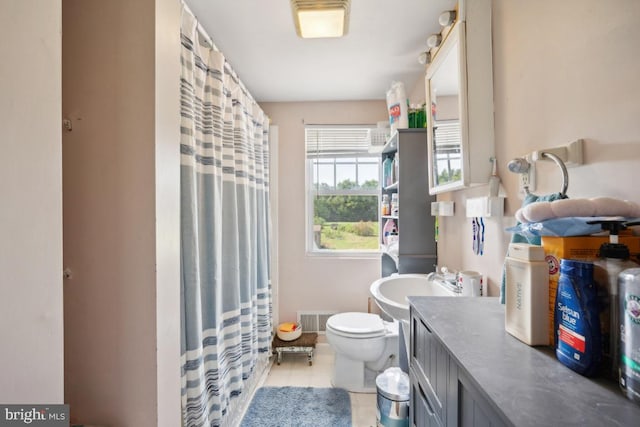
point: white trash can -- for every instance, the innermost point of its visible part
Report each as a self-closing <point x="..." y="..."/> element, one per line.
<point x="392" y="408"/>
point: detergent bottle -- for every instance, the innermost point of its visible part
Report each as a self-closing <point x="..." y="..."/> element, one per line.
<point x="577" y="325"/>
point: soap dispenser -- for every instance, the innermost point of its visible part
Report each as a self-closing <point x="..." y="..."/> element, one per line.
<point x="613" y="258"/>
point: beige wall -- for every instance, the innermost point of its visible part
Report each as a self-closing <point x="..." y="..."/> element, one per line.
<point x="121" y="216"/>
<point x="562" y="71"/>
<point x="31" y="322"/>
<point x="314" y="282"/>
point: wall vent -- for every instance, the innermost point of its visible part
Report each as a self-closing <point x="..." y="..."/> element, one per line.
<point x="314" y="321"/>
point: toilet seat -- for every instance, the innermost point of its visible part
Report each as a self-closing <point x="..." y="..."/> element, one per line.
<point x="357" y="325"/>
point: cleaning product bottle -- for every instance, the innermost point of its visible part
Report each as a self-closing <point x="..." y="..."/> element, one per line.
<point x="388" y="229"/>
<point x="629" y="326"/>
<point x="577" y="325"/>
<point x="387" y="167"/>
<point x="613" y="258"/>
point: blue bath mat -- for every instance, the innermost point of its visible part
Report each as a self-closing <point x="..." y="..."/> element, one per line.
<point x="299" y="407"/>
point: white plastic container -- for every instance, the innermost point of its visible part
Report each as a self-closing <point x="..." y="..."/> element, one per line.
<point x="527" y="294"/>
<point x="398" y="106"/>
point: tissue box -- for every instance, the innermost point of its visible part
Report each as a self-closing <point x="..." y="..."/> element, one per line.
<point x="583" y="248"/>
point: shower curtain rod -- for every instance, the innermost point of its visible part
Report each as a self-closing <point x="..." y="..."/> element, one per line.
<point x="203" y="32"/>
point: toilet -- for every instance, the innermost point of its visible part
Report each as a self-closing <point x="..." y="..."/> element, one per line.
<point x="364" y="346"/>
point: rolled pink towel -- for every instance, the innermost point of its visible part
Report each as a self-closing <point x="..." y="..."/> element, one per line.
<point x="573" y="207"/>
<point x="608" y="206"/>
<point x="538" y="211"/>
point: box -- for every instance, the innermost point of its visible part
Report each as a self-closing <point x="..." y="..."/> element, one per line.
<point x="583" y="248"/>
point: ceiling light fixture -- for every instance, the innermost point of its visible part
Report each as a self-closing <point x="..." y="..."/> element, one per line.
<point x="321" y="19"/>
<point x="447" y="18"/>
<point x="434" y="40"/>
<point x="424" y="58"/>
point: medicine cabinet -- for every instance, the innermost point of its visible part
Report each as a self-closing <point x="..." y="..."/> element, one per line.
<point x="459" y="92"/>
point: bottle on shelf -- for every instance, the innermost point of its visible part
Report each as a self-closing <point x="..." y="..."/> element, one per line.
<point x="394" y="204"/>
<point x="386" y="208"/>
<point x="387" y="171"/>
<point x="396" y="170"/>
<point x="389" y="232"/>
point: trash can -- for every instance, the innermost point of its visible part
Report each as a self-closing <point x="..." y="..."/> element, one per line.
<point x="392" y="408"/>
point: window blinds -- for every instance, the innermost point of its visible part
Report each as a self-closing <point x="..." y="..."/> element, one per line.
<point x="336" y="141"/>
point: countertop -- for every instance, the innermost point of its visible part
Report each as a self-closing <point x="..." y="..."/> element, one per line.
<point x="528" y="384"/>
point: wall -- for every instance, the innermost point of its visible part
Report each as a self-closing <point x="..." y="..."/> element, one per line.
<point x="314" y="282"/>
<point x="31" y="320"/>
<point x="121" y="216"/>
<point x="562" y="71"/>
<point x="559" y="71"/>
<point x="167" y="211"/>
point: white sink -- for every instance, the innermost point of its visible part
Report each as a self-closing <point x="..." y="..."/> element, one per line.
<point x="390" y="293"/>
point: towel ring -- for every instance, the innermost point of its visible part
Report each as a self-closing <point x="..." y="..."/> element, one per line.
<point x="563" y="168"/>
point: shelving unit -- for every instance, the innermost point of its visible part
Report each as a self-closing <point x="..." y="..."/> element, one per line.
<point x="416" y="250"/>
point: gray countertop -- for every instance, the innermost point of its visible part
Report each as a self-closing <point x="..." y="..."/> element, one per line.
<point x="527" y="384"/>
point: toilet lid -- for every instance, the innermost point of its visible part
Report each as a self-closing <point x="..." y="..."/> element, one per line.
<point x="357" y="323"/>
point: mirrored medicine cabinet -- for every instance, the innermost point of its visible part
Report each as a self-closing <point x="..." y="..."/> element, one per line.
<point x="459" y="93"/>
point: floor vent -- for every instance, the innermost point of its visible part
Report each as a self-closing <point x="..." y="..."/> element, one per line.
<point x="314" y="321"/>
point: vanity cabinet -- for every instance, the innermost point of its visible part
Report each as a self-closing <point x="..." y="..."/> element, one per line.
<point x="466" y="370"/>
<point x="442" y="395"/>
<point x="416" y="249"/>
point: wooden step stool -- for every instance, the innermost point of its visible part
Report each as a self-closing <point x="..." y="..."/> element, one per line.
<point x="305" y="344"/>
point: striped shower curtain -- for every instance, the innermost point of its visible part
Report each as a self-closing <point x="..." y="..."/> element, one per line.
<point x="226" y="295"/>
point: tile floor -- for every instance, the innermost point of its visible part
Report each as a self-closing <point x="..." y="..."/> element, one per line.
<point x="294" y="370"/>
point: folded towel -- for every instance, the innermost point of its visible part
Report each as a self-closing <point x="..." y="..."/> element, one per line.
<point x="634" y="208"/>
<point x="608" y="206"/>
<point x="572" y="207"/>
<point x="564" y="208"/>
<point x="538" y="211"/>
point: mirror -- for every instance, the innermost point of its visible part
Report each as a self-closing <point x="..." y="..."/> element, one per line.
<point x="447" y="123"/>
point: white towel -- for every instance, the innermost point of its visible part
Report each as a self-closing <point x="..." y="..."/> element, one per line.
<point x="634" y="209"/>
<point x="608" y="206"/>
<point x="573" y="207"/>
<point x="538" y="211"/>
<point x="564" y="208"/>
<point x="520" y="217"/>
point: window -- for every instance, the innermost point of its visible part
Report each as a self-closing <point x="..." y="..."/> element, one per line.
<point x="342" y="190"/>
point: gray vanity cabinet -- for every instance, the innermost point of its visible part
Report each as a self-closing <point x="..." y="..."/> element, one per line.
<point x="466" y="370"/>
<point x="441" y="393"/>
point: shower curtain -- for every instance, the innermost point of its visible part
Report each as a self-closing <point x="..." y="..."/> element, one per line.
<point x="225" y="294"/>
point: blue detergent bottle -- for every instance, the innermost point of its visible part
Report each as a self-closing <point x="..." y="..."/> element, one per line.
<point x="578" y="339"/>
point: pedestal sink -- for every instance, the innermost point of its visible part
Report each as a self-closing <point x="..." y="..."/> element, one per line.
<point x="390" y="294"/>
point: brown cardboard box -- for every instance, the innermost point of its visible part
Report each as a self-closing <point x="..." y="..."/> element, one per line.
<point x="583" y="248"/>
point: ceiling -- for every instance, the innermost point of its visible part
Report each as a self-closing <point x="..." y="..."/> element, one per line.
<point x="259" y="40"/>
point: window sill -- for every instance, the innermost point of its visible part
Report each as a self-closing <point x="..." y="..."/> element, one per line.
<point x="344" y="254"/>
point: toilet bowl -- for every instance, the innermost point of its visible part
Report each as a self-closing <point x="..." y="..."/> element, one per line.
<point x="364" y="346"/>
